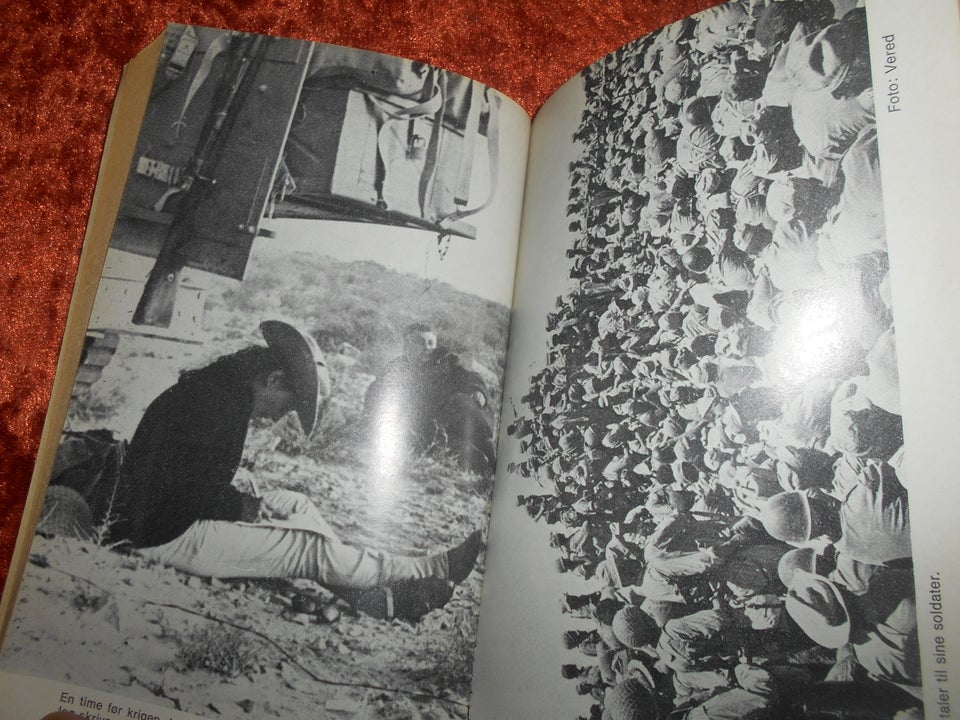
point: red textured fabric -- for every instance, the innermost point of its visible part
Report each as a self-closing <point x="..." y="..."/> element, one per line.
<point x="61" y="61"/>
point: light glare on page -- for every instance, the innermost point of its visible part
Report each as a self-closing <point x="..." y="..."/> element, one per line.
<point x="808" y="346"/>
<point x="388" y="443"/>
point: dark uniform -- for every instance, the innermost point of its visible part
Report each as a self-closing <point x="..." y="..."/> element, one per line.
<point x="433" y="399"/>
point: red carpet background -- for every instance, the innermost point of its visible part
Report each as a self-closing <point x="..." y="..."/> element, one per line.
<point x="61" y="62"/>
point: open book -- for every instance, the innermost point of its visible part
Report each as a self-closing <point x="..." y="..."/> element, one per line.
<point x="702" y="301"/>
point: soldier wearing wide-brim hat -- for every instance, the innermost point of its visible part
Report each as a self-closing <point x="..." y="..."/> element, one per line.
<point x="305" y="368"/>
<point x="876" y="631"/>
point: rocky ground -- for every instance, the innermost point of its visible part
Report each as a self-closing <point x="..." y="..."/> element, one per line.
<point x="91" y="615"/>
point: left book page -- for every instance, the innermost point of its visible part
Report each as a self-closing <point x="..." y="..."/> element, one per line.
<point x="271" y="444"/>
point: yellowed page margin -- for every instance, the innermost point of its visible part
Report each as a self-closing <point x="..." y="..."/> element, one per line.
<point x="125" y="121"/>
<point x="915" y="57"/>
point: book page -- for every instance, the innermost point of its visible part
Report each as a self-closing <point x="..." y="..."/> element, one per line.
<point x="269" y="476"/>
<point x="724" y="459"/>
<point x="516" y="673"/>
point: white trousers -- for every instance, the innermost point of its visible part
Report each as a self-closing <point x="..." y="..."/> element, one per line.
<point x="297" y="542"/>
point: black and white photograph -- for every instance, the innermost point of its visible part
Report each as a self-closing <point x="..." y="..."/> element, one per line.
<point x="272" y="491"/>
<point x="711" y="445"/>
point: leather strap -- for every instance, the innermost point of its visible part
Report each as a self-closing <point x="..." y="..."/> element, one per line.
<point x="216" y="48"/>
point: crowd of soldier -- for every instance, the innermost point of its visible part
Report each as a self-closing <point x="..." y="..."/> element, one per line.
<point x="717" y="424"/>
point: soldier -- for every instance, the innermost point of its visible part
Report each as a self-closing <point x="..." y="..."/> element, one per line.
<point x="428" y="396"/>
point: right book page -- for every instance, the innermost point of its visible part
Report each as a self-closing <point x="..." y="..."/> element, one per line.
<point x="724" y="482"/>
